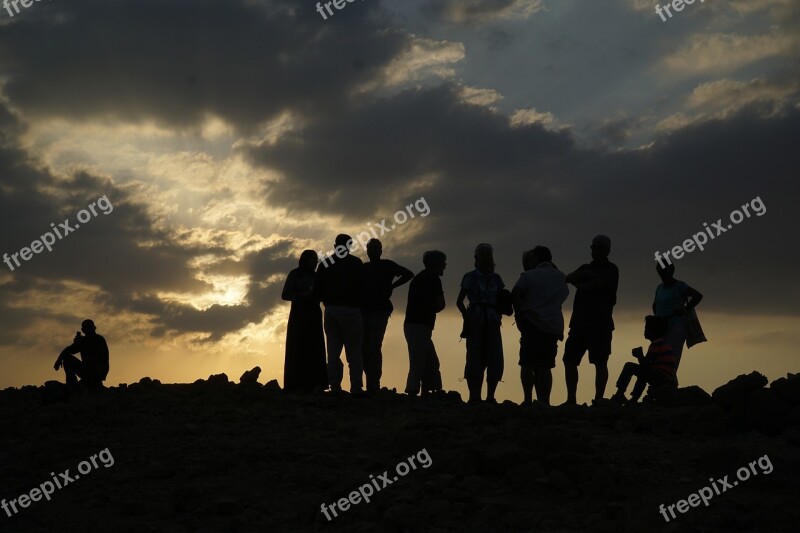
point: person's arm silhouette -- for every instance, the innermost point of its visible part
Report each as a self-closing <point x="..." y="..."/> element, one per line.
<point x="69" y="350"/>
<point x="60" y="360"/>
<point x="581" y="275"/>
<point x="692" y="297"/>
<point x="439" y="302"/>
<point x="404" y="274"/>
<point x="462" y="294"/>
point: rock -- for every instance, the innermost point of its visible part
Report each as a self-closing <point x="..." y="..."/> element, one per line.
<point x="54" y="391"/>
<point x="787" y="389"/>
<point x="251" y="376"/>
<point x="792" y="436"/>
<point x="327" y="459"/>
<point x="739" y="388"/>
<point x="159" y="471"/>
<point x="603" y="484"/>
<point x="272" y="386"/>
<point x="129" y="507"/>
<point x="473" y="484"/>
<point x="186" y="498"/>
<point x="497" y="461"/>
<point x="217" y="379"/>
<point x="719" y="456"/>
<point x="708" y="420"/>
<point x="403" y="514"/>
<point x="454" y="396"/>
<point x="194" y="429"/>
<point x="225" y="505"/>
<point x="623" y="426"/>
<point x="147" y="382"/>
<point x="560" y="480"/>
<point x="765" y="412"/>
<point x="685" y="397"/>
<point x="238" y="458"/>
<point x="521" y="476"/>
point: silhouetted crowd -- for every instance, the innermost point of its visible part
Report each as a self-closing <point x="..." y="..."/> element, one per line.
<point x="357" y="300"/>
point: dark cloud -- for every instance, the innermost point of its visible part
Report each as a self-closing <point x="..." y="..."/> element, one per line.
<point x="469" y="12"/>
<point x="519" y="186"/>
<point x="364" y="151"/>
<point x="614" y="132"/>
<point x="498" y="39"/>
<point x="174" y="62"/>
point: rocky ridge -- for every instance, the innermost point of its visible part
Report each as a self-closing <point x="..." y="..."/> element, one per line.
<point x="214" y="456"/>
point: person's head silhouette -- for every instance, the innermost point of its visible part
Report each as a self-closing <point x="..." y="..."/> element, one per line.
<point x="374" y="249"/>
<point x="655" y="327"/>
<point x="484" y="257"/>
<point x="308" y="260"/>
<point x="88" y="327"/>
<point x="601" y="247"/>
<point x="342" y="244"/>
<point x="533" y="258"/>
<point x="666" y="273"/>
<point x="435" y="261"/>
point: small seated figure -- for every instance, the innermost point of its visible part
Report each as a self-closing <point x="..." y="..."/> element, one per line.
<point x="92" y="367"/>
<point x="656" y="369"/>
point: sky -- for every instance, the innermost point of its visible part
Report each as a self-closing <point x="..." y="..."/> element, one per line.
<point x="228" y="136"/>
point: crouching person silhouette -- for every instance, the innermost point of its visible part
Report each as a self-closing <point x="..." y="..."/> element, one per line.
<point x="92" y="367"/>
<point x="656" y="369"/>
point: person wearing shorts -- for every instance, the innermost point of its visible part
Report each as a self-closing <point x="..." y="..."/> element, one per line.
<point x="538" y="296"/>
<point x="591" y="325"/>
<point x="482" y="319"/>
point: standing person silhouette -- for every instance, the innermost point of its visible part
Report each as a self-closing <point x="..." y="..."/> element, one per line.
<point x="425" y="299"/>
<point x="591" y="325"/>
<point x="538" y="296"/>
<point x="304" y="366"/>
<point x="381" y="277"/>
<point x="92" y="367"/>
<point x="339" y="285"/>
<point x="673" y="298"/>
<point x="482" y="325"/>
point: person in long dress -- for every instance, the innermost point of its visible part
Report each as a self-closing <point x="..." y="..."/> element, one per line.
<point x="305" y="368"/>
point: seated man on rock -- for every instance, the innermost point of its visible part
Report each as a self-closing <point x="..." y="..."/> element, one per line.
<point x="92" y="367"/>
<point x="656" y="369"/>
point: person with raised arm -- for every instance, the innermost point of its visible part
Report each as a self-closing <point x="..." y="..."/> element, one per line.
<point x="381" y="277"/>
<point x="673" y="300"/>
<point x="92" y="368"/>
